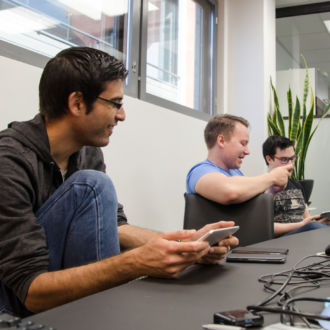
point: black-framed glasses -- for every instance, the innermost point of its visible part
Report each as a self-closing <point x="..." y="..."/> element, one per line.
<point x="285" y="160"/>
<point x="117" y="105"/>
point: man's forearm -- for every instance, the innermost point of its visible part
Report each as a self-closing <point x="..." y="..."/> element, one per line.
<point x="162" y="256"/>
<point x="231" y="190"/>
<point x="244" y="188"/>
<point x="53" y="289"/>
<point x="283" y="228"/>
<point x="131" y="236"/>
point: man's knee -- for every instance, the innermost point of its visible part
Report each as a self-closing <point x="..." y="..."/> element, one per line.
<point x="89" y="176"/>
<point x="93" y="178"/>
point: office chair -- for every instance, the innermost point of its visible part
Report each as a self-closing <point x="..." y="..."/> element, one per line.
<point x="255" y="216"/>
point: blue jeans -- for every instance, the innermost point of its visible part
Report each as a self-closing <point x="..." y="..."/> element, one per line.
<point x="80" y="222"/>
<point x="309" y="226"/>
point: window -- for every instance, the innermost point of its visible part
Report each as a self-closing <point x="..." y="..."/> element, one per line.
<point x="48" y="26"/>
<point x="171" y="62"/>
<point x="179" y="52"/>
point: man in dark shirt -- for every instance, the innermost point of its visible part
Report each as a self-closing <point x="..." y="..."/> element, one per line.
<point x="61" y="225"/>
<point x="291" y="214"/>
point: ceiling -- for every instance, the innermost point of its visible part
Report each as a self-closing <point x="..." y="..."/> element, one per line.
<point x="307" y="35"/>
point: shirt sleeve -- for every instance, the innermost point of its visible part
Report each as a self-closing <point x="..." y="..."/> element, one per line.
<point x="23" y="249"/>
<point x="196" y="173"/>
<point x="121" y="216"/>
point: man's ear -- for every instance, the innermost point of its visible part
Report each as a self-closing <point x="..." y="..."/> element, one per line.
<point x="76" y="103"/>
<point x="220" y="140"/>
<point x="268" y="159"/>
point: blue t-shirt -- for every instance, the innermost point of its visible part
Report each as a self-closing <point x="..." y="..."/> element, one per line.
<point x="203" y="168"/>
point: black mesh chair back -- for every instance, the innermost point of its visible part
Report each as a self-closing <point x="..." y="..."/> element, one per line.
<point x="255" y="216"/>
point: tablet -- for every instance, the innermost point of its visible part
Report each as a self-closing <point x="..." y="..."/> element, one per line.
<point x="216" y="235"/>
<point x="325" y="214"/>
<point x="262" y="250"/>
<point x="258" y="257"/>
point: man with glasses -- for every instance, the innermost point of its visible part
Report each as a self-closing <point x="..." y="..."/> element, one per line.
<point x="291" y="214"/>
<point x="61" y="225"/>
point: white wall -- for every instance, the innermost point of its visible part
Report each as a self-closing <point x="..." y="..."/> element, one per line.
<point x="249" y="61"/>
<point x="19" y="90"/>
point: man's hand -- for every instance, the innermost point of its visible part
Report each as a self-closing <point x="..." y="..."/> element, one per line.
<point x="317" y="218"/>
<point x="216" y="253"/>
<point x="170" y="253"/>
<point x="162" y="256"/>
<point x="280" y="176"/>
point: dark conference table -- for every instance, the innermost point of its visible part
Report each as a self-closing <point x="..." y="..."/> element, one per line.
<point x="187" y="302"/>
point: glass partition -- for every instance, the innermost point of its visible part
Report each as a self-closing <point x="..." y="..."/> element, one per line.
<point x="307" y="35"/>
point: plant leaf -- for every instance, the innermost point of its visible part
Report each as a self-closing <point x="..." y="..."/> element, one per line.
<point x="295" y="125"/>
<point x="306" y="88"/>
<point x="272" y="127"/>
<point x="290" y="111"/>
<point x="306" y="138"/>
<point x="280" y="122"/>
<point x="275" y="97"/>
<point x="277" y="123"/>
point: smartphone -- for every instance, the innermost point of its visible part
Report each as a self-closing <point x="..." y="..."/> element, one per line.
<point x="239" y="317"/>
<point x="216" y="235"/>
<point x="325" y="214"/>
<point x="257" y="257"/>
<point x="261" y="250"/>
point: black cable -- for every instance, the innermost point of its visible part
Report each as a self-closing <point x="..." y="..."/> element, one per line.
<point x="290" y="274"/>
<point x="267" y="300"/>
<point x="304" y="277"/>
<point x="289" y="312"/>
<point x="292" y="300"/>
<point x="284" y="273"/>
<point x="288" y="294"/>
<point x="312" y="274"/>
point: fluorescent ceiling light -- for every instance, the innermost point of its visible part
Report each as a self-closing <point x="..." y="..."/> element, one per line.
<point x="91" y="9"/>
<point x="152" y="7"/>
<point x="327" y="25"/>
<point x="95" y="8"/>
<point x="115" y="7"/>
<point x="21" y="20"/>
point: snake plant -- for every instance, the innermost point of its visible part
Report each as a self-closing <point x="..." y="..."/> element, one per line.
<point x="300" y="124"/>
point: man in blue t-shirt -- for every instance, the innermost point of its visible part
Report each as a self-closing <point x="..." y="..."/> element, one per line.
<point x="218" y="178"/>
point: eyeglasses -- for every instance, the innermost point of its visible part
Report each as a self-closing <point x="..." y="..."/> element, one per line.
<point x="117" y="105"/>
<point x="285" y="160"/>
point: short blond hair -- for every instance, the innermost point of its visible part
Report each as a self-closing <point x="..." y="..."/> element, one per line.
<point x="221" y="124"/>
